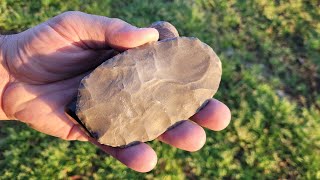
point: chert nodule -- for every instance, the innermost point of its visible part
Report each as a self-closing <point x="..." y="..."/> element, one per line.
<point x="139" y="94"/>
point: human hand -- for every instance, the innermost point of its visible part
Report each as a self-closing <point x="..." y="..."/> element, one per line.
<point x="47" y="62"/>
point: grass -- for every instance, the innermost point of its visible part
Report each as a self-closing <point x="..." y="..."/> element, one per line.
<point x="270" y="52"/>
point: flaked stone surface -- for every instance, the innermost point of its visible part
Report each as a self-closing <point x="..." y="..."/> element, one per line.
<point x="139" y="94"/>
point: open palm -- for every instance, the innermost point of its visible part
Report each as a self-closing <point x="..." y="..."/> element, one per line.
<point x="47" y="62"/>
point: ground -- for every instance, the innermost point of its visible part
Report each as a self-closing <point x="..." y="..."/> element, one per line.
<point x="270" y="52"/>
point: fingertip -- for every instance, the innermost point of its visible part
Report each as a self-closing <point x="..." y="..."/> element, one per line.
<point x="133" y="37"/>
<point x="221" y="114"/>
<point x="151" y="34"/>
<point x="226" y="116"/>
<point x="186" y="136"/>
<point x="140" y="157"/>
<point x="215" y="116"/>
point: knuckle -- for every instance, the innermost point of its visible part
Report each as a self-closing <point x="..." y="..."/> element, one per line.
<point x="68" y="15"/>
<point x="116" y="21"/>
<point x="71" y="13"/>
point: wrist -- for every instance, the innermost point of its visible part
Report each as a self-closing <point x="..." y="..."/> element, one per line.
<point x="4" y="76"/>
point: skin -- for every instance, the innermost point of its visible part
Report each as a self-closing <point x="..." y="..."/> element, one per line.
<point x="41" y="69"/>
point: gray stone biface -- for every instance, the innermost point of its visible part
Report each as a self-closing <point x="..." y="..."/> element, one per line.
<point x="137" y="95"/>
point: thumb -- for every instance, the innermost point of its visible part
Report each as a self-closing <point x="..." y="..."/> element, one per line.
<point x="99" y="32"/>
<point x="122" y="35"/>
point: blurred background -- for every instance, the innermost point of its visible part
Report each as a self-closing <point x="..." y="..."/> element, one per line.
<point x="270" y="52"/>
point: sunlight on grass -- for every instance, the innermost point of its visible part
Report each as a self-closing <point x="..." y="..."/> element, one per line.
<point x="270" y="53"/>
